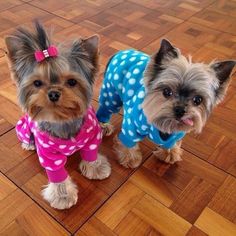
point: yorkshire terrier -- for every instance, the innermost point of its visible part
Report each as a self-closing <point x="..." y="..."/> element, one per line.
<point x="55" y="89"/>
<point x="163" y="97"/>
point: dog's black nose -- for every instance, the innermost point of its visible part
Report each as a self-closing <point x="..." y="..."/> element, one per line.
<point x="179" y="111"/>
<point x="54" y="96"/>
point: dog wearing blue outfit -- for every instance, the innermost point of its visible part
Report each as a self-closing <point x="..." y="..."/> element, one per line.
<point x="158" y="100"/>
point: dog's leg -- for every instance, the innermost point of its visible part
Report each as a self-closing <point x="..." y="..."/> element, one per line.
<point x="170" y="155"/>
<point x="99" y="169"/>
<point x="61" y="195"/>
<point x="29" y="147"/>
<point x="107" y="129"/>
<point x="128" y="157"/>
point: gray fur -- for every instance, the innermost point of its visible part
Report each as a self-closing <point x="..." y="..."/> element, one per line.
<point x="64" y="130"/>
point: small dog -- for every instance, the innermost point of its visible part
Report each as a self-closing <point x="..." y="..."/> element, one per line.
<point x="163" y="97"/>
<point x="55" y="90"/>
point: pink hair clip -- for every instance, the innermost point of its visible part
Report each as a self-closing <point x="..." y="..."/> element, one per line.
<point x="50" y="52"/>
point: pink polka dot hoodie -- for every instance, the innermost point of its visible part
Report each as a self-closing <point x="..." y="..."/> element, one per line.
<point x="53" y="152"/>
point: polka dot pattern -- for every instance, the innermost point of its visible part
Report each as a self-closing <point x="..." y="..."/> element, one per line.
<point x="126" y="87"/>
<point x="53" y="152"/>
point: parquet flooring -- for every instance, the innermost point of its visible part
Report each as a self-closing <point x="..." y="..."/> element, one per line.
<point x="194" y="197"/>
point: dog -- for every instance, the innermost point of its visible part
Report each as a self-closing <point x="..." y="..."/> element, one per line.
<point x="163" y="97"/>
<point x="55" y="90"/>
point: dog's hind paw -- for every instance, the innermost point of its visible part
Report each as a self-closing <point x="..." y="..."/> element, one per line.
<point x="29" y="147"/>
<point x="107" y="129"/>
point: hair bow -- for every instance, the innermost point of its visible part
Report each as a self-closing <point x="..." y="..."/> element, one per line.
<point x="41" y="55"/>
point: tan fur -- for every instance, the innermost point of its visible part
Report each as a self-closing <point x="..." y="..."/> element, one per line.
<point x="127" y="157"/>
<point x="169" y="155"/>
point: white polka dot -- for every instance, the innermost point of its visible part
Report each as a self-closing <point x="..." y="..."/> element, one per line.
<point x="150" y="135"/>
<point x="128" y="121"/>
<point x="68" y="153"/>
<point x="130" y="92"/>
<point x="135" y="123"/>
<point x="73" y="139"/>
<point x="132" y="81"/>
<point x="140" y="117"/>
<point x="89" y="129"/>
<point x="152" y="128"/>
<point x="29" y="119"/>
<point x="62" y="146"/>
<point x="58" y="162"/>
<point x="27" y="136"/>
<point x="24" y="126"/>
<point x="90" y="117"/>
<point x="115" y="69"/>
<point x="86" y="140"/>
<point x="114" y="102"/>
<point x="128" y="75"/>
<point x="128" y="103"/>
<point x="122" y="63"/>
<point x="136" y="139"/>
<point x="107" y="103"/>
<point x="110" y="94"/>
<point x="136" y="71"/>
<point x="116" y="77"/>
<point x="40" y="141"/>
<point x="92" y="146"/>
<point x="48" y="168"/>
<point x="108" y="85"/>
<point x="123" y="131"/>
<point x="140" y="63"/>
<point x="132" y="59"/>
<point x="129" y="110"/>
<point x="143" y="57"/>
<point x="109" y="76"/>
<point x="144" y="127"/>
<point x="131" y="133"/>
<point x="124" y="72"/>
<point x="51" y="143"/>
<point x="41" y="160"/>
<point x="140" y="107"/>
<point x="45" y="145"/>
<point x="141" y="81"/>
<point x="114" y="62"/>
<point x="134" y="54"/>
<point x="123" y="90"/>
<point x="134" y="98"/>
<point x="141" y="94"/>
<point x="123" y="57"/>
<point x="120" y="86"/>
<point x="99" y="136"/>
<point x="72" y="147"/>
<point x="103" y="86"/>
<point x="19" y="122"/>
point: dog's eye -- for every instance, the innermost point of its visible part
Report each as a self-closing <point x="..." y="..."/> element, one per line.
<point x="197" y="100"/>
<point x="38" y="83"/>
<point x="71" y="82"/>
<point x="167" y="92"/>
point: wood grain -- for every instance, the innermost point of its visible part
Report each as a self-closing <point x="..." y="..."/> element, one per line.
<point x="192" y="197"/>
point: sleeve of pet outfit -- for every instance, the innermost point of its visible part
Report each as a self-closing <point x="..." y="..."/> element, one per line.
<point x="23" y="130"/>
<point x="91" y="136"/>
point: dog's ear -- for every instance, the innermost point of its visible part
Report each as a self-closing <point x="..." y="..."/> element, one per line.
<point x="91" y="45"/>
<point x="166" y="52"/>
<point x="84" y="57"/>
<point x="13" y="45"/>
<point x="223" y="71"/>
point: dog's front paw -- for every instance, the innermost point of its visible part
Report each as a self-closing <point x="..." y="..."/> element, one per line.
<point x="169" y="156"/>
<point x="61" y="195"/>
<point x="99" y="169"/>
<point x="107" y="129"/>
<point x="29" y="147"/>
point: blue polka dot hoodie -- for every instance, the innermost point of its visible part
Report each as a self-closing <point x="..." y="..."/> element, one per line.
<point x="123" y="86"/>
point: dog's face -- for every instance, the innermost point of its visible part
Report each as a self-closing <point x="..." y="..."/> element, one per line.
<point x="56" y="89"/>
<point x="181" y="94"/>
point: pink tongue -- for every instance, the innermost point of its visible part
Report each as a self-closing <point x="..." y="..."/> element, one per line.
<point x="188" y="121"/>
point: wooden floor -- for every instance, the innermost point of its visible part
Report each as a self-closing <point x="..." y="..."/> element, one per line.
<point x="194" y="197"/>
